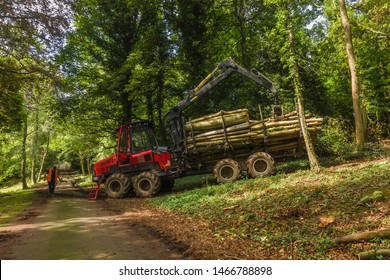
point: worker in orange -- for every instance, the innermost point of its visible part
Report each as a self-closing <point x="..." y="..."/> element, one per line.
<point x="52" y="179"/>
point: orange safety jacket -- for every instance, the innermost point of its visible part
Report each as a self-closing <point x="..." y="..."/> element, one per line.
<point x="49" y="173"/>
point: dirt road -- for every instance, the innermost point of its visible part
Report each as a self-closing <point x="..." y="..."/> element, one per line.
<point x="68" y="226"/>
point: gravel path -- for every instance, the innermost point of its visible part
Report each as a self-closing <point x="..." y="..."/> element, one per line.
<point x="68" y="226"/>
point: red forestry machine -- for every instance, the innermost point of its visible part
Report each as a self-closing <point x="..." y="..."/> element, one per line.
<point x="140" y="165"/>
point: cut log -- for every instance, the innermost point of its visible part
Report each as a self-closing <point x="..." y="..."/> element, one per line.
<point x="371" y="254"/>
<point x="219" y="114"/>
<point x="269" y="124"/>
<point x="210" y="137"/>
<point x="363" y="236"/>
<point x="216" y="122"/>
<point x="243" y="126"/>
<point x="233" y="134"/>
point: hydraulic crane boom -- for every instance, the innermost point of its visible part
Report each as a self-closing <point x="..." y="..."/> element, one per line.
<point x="226" y="67"/>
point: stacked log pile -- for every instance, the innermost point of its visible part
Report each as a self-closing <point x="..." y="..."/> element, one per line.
<point x="234" y="131"/>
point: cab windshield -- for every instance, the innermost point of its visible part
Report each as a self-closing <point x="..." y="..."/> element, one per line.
<point x="142" y="139"/>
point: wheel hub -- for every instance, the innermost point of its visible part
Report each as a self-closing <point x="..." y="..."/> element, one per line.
<point x="145" y="184"/>
<point x="260" y="165"/>
<point x="227" y="172"/>
<point x="115" y="186"/>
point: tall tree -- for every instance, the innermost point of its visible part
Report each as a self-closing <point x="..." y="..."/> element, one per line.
<point x="95" y="57"/>
<point x="192" y="21"/>
<point x="314" y="163"/>
<point x="291" y="34"/>
<point x="371" y="41"/>
<point x="30" y="33"/>
<point x="360" y="130"/>
<point x="23" y="169"/>
<point x="11" y="98"/>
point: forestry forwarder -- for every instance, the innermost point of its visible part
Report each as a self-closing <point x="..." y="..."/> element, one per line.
<point x="141" y="166"/>
<point x="224" y="165"/>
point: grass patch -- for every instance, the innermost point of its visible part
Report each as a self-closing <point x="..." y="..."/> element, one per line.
<point x="282" y="214"/>
<point x="87" y="184"/>
<point x="13" y="203"/>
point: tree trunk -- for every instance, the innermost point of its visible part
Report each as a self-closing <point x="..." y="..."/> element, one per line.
<point x="314" y="164"/>
<point x="149" y="106"/>
<point x="239" y="7"/>
<point x="89" y="165"/>
<point x="371" y="254"/>
<point x="44" y="154"/>
<point x="359" y="126"/>
<point x="81" y="157"/>
<point x="24" y="155"/>
<point x="34" y="155"/>
<point x="33" y="178"/>
<point x="127" y="106"/>
<point x="363" y="236"/>
<point x="159" y="101"/>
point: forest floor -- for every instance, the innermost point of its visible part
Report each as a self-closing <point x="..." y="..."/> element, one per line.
<point x="293" y="215"/>
<point x="292" y="228"/>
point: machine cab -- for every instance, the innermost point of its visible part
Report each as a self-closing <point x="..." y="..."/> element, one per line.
<point x="138" y="149"/>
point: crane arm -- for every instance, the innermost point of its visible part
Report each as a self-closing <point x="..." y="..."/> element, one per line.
<point x="226" y="68"/>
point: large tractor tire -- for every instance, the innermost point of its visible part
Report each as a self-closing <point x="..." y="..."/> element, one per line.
<point x="146" y="184"/>
<point x="226" y="171"/>
<point x="260" y="165"/>
<point x="117" y="186"/>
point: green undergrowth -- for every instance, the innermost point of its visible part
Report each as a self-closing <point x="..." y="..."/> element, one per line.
<point x="13" y="203"/>
<point x="284" y="212"/>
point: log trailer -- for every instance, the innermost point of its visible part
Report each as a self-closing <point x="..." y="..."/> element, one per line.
<point x="141" y="166"/>
<point x="226" y="164"/>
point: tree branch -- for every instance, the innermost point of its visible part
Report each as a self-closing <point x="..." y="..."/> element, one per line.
<point x="383" y="34"/>
<point x="370" y="254"/>
<point x="363" y="236"/>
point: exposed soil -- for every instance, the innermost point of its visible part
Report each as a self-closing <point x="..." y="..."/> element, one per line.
<point x="68" y="226"/>
<point x="193" y="236"/>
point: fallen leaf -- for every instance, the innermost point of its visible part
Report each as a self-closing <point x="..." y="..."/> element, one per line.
<point x="326" y="220"/>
